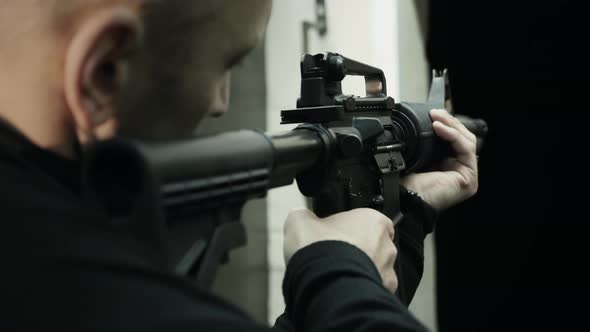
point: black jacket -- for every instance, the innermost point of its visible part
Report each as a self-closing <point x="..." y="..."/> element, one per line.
<point x="66" y="266"/>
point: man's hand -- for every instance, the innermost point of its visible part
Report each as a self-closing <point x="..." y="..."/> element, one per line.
<point x="367" y="229"/>
<point x="457" y="179"/>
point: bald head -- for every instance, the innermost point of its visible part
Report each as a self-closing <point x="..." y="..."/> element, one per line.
<point x="32" y="16"/>
<point x="79" y="70"/>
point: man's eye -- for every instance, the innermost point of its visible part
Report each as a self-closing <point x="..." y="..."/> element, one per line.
<point x="236" y="63"/>
<point x="237" y="60"/>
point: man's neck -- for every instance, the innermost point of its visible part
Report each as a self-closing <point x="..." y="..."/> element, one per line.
<point x="50" y="136"/>
<point x="17" y="147"/>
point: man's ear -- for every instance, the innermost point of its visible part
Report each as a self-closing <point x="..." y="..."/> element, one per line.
<point x="96" y="69"/>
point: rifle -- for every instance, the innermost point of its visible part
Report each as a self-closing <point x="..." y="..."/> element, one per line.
<point x="347" y="152"/>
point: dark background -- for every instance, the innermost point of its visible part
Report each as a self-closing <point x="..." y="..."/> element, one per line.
<point x="513" y="257"/>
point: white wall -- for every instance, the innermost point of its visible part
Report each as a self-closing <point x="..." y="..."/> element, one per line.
<point x="414" y="85"/>
<point x="283" y="54"/>
<point x="364" y="30"/>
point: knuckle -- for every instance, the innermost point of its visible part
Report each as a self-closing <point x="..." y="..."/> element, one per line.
<point x="292" y="214"/>
<point x="456" y="135"/>
<point x="392" y="282"/>
<point x="387" y="226"/>
<point x="455" y="122"/>
<point x="453" y="132"/>
<point x="293" y="219"/>
<point x="393" y="256"/>
<point x="287" y="226"/>
<point x="378" y="221"/>
<point x="474" y="186"/>
<point x="470" y="183"/>
<point x="471" y="147"/>
<point x="377" y="217"/>
<point x="465" y="182"/>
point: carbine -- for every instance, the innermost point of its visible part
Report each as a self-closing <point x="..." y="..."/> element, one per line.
<point x="347" y="152"/>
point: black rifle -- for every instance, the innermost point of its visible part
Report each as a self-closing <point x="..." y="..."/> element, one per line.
<point x="349" y="152"/>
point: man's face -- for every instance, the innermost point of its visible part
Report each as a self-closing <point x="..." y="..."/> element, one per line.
<point x="187" y="77"/>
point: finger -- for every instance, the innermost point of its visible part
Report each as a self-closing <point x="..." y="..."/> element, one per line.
<point x="390" y="231"/>
<point x="369" y="214"/>
<point x="383" y="220"/>
<point x="464" y="148"/>
<point x="445" y="117"/>
<point x="449" y="120"/>
<point x="389" y="274"/>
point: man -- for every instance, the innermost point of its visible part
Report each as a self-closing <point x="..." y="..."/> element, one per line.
<point x="68" y="80"/>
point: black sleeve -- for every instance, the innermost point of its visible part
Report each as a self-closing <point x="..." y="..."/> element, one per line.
<point x="328" y="286"/>
<point x="334" y="286"/>
<point x="419" y="221"/>
<point x="90" y="297"/>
